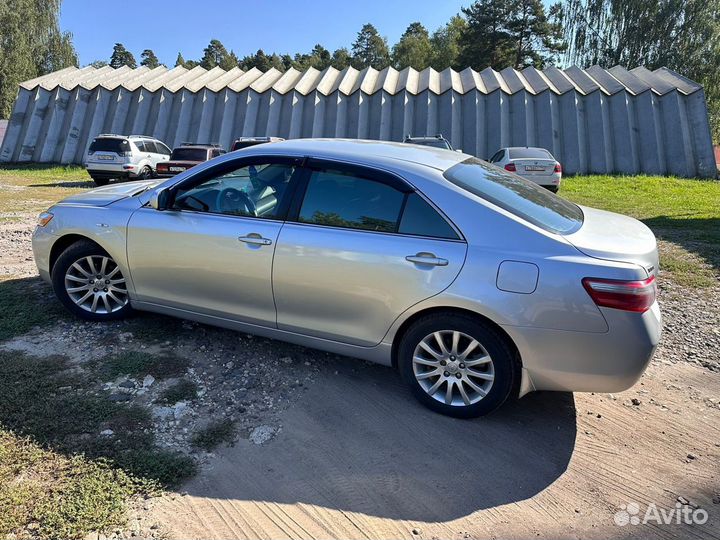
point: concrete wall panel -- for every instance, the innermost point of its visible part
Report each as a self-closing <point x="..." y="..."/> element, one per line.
<point x="601" y="122"/>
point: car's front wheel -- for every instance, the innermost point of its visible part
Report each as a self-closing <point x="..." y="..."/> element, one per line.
<point x="457" y="364"/>
<point x="90" y="284"/>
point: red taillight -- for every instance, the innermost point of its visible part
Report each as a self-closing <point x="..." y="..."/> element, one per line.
<point x="510" y="167"/>
<point x="558" y="168"/>
<point x="162" y="167"/>
<point x="635" y="296"/>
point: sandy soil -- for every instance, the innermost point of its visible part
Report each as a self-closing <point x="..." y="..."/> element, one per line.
<point x="358" y="458"/>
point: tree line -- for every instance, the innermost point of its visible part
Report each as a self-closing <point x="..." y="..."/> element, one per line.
<point x="683" y="35"/>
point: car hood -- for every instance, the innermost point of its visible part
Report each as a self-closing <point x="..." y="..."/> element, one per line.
<point x="611" y="236"/>
<point x="106" y="195"/>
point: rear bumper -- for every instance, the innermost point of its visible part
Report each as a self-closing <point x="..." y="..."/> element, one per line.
<point x="109" y="175"/>
<point x="590" y="362"/>
<point x="549" y="180"/>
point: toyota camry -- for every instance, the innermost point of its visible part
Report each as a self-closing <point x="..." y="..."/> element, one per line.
<point x="475" y="284"/>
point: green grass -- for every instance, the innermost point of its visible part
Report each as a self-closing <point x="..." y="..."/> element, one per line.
<point x="181" y="391"/>
<point x="44" y="494"/>
<point x="24" y="304"/>
<point x="59" y="477"/>
<point x="33" y="188"/>
<point x="683" y="212"/>
<point x="214" y="434"/>
<point x="139" y="364"/>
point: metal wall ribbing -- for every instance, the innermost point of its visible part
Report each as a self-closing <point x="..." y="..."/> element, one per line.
<point x="593" y="120"/>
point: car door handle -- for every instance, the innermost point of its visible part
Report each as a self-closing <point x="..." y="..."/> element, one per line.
<point x="255" y="239"/>
<point x="426" y="258"/>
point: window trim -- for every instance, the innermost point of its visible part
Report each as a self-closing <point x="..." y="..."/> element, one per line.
<point x="231" y="165"/>
<point x="377" y="175"/>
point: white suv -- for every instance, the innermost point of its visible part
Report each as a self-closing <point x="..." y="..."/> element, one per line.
<point x="124" y="157"/>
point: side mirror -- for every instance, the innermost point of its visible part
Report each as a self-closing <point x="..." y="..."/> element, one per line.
<point x="160" y="199"/>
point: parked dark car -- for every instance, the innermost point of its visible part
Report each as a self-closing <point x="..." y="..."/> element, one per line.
<point x="245" y="142"/>
<point x="188" y="155"/>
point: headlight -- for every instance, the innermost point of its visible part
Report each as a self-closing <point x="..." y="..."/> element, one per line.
<point x="44" y="219"/>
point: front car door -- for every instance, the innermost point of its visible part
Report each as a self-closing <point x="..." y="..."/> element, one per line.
<point x="212" y="252"/>
<point x="360" y="247"/>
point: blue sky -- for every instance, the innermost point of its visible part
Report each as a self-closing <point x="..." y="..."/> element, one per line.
<point x="243" y="25"/>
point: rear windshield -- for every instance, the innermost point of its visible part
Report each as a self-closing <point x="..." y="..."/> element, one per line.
<point x="245" y="144"/>
<point x="518" y="196"/>
<point x="529" y="153"/>
<point x="435" y="143"/>
<point x="109" y="145"/>
<point x="189" y="154"/>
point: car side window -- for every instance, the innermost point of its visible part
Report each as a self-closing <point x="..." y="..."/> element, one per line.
<point x="151" y="147"/>
<point x="162" y="149"/>
<point x="421" y="219"/>
<point x="339" y="199"/>
<point x="140" y="146"/>
<point x="497" y="157"/>
<point x="252" y="190"/>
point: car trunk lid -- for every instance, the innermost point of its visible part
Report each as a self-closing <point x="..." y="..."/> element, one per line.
<point x="534" y="167"/>
<point x="611" y="236"/>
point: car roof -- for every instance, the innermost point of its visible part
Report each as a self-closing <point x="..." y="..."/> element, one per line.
<point x="525" y="148"/>
<point x="364" y="151"/>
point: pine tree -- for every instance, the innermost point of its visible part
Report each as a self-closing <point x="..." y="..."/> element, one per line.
<point x="148" y="59"/>
<point x="214" y="54"/>
<point x="122" y="57"/>
<point x="370" y="49"/>
<point x="180" y="61"/>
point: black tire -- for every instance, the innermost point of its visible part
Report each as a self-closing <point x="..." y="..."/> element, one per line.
<point x="554" y="189"/>
<point x="101" y="181"/>
<point x="504" y="362"/>
<point x="72" y="254"/>
<point x="145" y="174"/>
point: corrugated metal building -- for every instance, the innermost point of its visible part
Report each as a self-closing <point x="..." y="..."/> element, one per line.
<point x="592" y="120"/>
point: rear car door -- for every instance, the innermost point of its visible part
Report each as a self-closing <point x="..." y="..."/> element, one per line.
<point x="359" y="248"/>
<point x="212" y="252"/>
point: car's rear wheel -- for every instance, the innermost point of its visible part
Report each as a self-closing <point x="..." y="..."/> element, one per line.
<point x="457" y="364"/>
<point x="101" y="181"/>
<point x="145" y="173"/>
<point x="90" y="284"/>
<point x="554" y="189"/>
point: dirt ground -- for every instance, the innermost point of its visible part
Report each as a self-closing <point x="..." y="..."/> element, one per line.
<point x="334" y="447"/>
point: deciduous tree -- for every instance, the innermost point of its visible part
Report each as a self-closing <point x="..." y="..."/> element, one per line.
<point x="414" y="48"/>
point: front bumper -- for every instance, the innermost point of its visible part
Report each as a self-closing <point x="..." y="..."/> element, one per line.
<point x="42" y="241"/>
<point x="590" y="362"/>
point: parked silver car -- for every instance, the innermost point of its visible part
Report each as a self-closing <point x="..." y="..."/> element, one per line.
<point x="536" y="164"/>
<point x="476" y="284"/>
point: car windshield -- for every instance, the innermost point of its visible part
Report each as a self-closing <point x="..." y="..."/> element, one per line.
<point x="529" y="153"/>
<point x="189" y="154"/>
<point x="518" y="196"/>
<point x="109" y="145"/>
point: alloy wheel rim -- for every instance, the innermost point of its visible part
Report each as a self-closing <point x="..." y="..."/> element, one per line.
<point x="96" y="284"/>
<point x="453" y="368"/>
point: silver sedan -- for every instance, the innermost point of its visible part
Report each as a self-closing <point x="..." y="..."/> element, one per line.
<point x="477" y="285"/>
